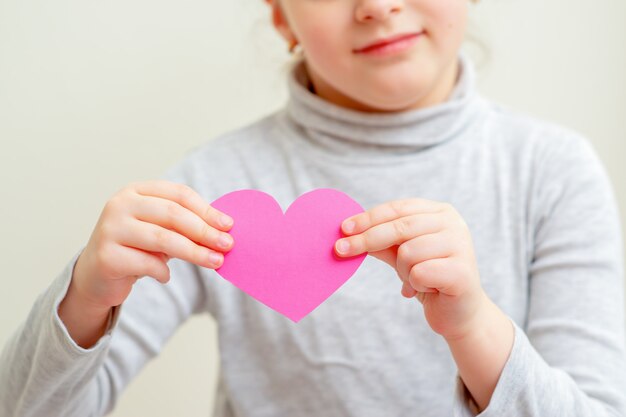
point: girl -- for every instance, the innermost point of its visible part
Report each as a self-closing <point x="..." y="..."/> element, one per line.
<point x="504" y="228"/>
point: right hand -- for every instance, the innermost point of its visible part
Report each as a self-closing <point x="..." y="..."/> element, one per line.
<point x="140" y="228"/>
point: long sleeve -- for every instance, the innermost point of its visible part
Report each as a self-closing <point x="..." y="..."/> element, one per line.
<point x="43" y="372"/>
<point x="569" y="358"/>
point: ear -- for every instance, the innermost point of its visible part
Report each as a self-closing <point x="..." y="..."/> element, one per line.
<point x="279" y="20"/>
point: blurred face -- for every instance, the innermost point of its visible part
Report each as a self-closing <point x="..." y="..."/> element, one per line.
<point x="418" y="71"/>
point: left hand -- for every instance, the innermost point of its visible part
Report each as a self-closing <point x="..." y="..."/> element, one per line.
<point x="430" y="246"/>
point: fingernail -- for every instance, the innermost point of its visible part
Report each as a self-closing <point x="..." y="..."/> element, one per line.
<point x="226" y="221"/>
<point x="349" y="226"/>
<point x="343" y="246"/>
<point x="215" y="258"/>
<point x="224" y="241"/>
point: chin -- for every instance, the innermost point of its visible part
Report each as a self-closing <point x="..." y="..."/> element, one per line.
<point x="398" y="93"/>
<point x="392" y="102"/>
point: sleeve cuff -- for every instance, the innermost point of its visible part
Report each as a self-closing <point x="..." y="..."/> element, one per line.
<point x="463" y="402"/>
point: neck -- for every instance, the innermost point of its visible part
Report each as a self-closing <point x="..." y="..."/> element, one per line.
<point x="351" y="136"/>
<point x="438" y="93"/>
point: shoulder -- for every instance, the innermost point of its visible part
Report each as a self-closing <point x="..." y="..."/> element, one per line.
<point x="562" y="164"/>
<point x="543" y="140"/>
<point x="551" y="162"/>
<point x="529" y="127"/>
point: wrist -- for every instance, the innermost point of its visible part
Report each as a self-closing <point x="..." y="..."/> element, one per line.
<point x="84" y="321"/>
<point x="78" y="291"/>
<point x="79" y="302"/>
<point x="486" y="314"/>
<point x="477" y="311"/>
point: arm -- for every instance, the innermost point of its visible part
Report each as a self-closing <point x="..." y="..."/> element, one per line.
<point x="570" y="360"/>
<point x="44" y="371"/>
<point x="481" y="355"/>
<point x="85" y="323"/>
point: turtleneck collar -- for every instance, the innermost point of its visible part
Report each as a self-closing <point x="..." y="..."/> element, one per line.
<point x="344" y="131"/>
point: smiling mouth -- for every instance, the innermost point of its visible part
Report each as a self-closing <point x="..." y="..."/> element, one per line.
<point x="386" y="43"/>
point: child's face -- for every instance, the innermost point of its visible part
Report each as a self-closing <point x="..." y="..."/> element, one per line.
<point x="330" y="31"/>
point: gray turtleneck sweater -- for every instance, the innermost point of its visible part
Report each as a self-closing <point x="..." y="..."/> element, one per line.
<point x="546" y="231"/>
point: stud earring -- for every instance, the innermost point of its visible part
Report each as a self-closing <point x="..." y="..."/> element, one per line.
<point x="292" y="46"/>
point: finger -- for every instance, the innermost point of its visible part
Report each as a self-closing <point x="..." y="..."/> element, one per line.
<point x="188" y="198"/>
<point x="140" y="263"/>
<point x="389" y="211"/>
<point x="173" y="216"/>
<point x="439" y="274"/>
<point x="154" y="238"/>
<point x="395" y="232"/>
<point x="161" y="255"/>
<point x="388" y="255"/>
<point x="407" y="291"/>
<point x="420" y="249"/>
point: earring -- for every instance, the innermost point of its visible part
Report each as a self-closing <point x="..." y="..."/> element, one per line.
<point x="292" y="46"/>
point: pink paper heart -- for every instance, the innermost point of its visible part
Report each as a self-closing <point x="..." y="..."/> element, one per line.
<point x="287" y="261"/>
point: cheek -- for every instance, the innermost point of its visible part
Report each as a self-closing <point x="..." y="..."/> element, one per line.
<point x="323" y="27"/>
<point x="325" y="47"/>
<point x="316" y="38"/>
<point x="446" y="21"/>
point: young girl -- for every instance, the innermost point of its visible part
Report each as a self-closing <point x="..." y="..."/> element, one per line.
<point x="504" y="228"/>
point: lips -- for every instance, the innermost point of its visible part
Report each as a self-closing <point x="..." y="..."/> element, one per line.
<point x="386" y="41"/>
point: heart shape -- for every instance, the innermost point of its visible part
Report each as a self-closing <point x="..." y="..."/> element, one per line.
<point x="287" y="261"/>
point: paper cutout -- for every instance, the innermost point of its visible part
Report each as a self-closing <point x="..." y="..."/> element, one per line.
<point x="287" y="261"/>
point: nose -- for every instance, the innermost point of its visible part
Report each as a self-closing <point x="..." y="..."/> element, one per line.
<point x="377" y="9"/>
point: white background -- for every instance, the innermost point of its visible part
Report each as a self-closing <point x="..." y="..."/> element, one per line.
<point x="96" y="94"/>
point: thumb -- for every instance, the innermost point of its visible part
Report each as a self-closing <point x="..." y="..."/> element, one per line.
<point x="389" y="255"/>
<point x="163" y="256"/>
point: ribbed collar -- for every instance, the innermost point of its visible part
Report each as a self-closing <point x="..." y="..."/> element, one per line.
<point x="338" y="130"/>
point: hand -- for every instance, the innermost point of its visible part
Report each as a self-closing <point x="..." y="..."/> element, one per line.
<point x="430" y="246"/>
<point x="140" y="229"/>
